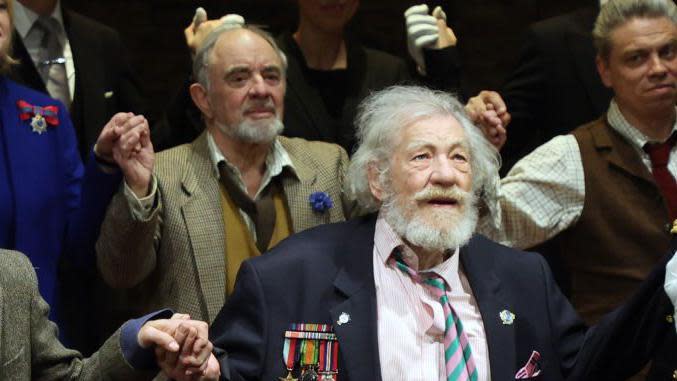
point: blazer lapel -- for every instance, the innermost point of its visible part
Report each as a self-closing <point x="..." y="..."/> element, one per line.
<point x="354" y="319"/>
<point x="479" y="268"/>
<point x="203" y="217"/>
<point x="297" y="189"/>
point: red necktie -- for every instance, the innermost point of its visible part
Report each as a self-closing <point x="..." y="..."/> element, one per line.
<point x="659" y="153"/>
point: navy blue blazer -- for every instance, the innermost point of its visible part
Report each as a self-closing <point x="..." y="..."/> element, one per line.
<point x="57" y="205"/>
<point x="316" y="275"/>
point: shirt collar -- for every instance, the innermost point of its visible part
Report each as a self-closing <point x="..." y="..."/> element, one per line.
<point x="618" y="122"/>
<point x="277" y="159"/>
<point x="24" y="18"/>
<point x="386" y="241"/>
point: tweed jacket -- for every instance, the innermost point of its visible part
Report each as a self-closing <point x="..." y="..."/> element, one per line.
<point x="176" y="258"/>
<point x="29" y="346"/>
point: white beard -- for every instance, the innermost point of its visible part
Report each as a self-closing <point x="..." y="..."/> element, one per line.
<point x="439" y="231"/>
<point x="257" y="131"/>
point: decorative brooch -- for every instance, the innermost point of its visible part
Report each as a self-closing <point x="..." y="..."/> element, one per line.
<point x="320" y="201"/>
<point x="41" y="117"/>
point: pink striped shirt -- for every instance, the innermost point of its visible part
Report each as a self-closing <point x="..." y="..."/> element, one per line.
<point x="411" y="321"/>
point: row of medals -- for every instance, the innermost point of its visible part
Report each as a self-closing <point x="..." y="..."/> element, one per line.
<point x="309" y="373"/>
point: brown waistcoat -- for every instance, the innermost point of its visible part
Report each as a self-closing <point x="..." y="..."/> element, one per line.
<point x="622" y="231"/>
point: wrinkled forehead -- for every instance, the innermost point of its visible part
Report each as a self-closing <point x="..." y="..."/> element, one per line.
<point x="243" y="46"/>
<point x="439" y="130"/>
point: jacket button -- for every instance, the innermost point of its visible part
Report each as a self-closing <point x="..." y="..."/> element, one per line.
<point x="669" y="318"/>
<point x="674" y="375"/>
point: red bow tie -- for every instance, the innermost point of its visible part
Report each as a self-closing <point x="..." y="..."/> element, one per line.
<point x="50" y="113"/>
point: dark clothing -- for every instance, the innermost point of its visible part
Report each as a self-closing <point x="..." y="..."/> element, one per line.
<point x="323" y="273"/>
<point x="320" y="105"/>
<point x="104" y="82"/>
<point x="555" y="86"/>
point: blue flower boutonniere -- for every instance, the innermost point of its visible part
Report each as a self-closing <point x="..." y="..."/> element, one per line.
<point x="320" y="201"/>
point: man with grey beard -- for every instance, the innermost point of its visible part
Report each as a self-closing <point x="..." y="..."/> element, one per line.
<point x="176" y="234"/>
<point x="410" y="293"/>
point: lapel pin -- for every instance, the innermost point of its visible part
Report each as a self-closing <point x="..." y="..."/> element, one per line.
<point x="344" y="318"/>
<point x="507" y="317"/>
<point x="674" y="227"/>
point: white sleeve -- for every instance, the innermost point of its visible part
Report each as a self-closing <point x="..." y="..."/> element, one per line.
<point x="542" y="195"/>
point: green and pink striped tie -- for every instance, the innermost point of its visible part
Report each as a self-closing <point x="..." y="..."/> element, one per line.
<point x="457" y="353"/>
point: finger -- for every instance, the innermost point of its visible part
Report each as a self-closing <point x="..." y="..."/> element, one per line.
<point x="495" y="99"/>
<point x="201" y="350"/>
<point x="199" y="17"/>
<point x="232" y="19"/>
<point x="197" y="362"/>
<point x="424" y="41"/>
<point x="131" y="123"/>
<point x="505" y="118"/>
<point x="421" y="9"/>
<point x="180" y="336"/>
<point x="421" y="20"/>
<point x="439" y="13"/>
<point x="179" y="316"/>
<point x="149" y="335"/>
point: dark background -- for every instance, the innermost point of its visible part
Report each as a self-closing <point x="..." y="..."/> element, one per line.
<point x="489" y="32"/>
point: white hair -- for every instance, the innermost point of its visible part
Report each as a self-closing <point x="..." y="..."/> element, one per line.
<point x="384" y="114"/>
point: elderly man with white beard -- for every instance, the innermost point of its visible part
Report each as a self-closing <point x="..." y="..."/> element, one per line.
<point x="410" y="292"/>
<point x="176" y="234"/>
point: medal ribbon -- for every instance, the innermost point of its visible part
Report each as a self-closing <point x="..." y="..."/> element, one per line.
<point x="50" y="113"/>
<point x="310" y="352"/>
<point x="289" y="353"/>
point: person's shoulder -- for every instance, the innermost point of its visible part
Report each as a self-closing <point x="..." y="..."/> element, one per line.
<point x="16" y="270"/>
<point x="34" y="97"/>
<point x="315" y="246"/>
<point x="311" y="150"/>
<point x="90" y="25"/>
<point x="557" y="26"/>
<point x="508" y="260"/>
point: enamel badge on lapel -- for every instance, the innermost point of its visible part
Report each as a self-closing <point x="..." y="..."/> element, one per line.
<point x="674" y="227"/>
<point x="344" y="318"/>
<point x="507" y="317"/>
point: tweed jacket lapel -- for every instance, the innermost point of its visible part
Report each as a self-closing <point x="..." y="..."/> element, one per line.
<point x="203" y="216"/>
<point x="297" y="189"/>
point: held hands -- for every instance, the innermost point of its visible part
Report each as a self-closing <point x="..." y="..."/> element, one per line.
<point x="125" y="141"/>
<point x="488" y="111"/>
<point x="200" y="27"/>
<point x="425" y="31"/>
<point x="182" y="348"/>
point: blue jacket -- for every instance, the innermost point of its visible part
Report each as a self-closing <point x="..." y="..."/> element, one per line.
<point x="56" y="204"/>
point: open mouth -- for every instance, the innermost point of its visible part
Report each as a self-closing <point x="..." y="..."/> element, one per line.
<point x="443" y="202"/>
